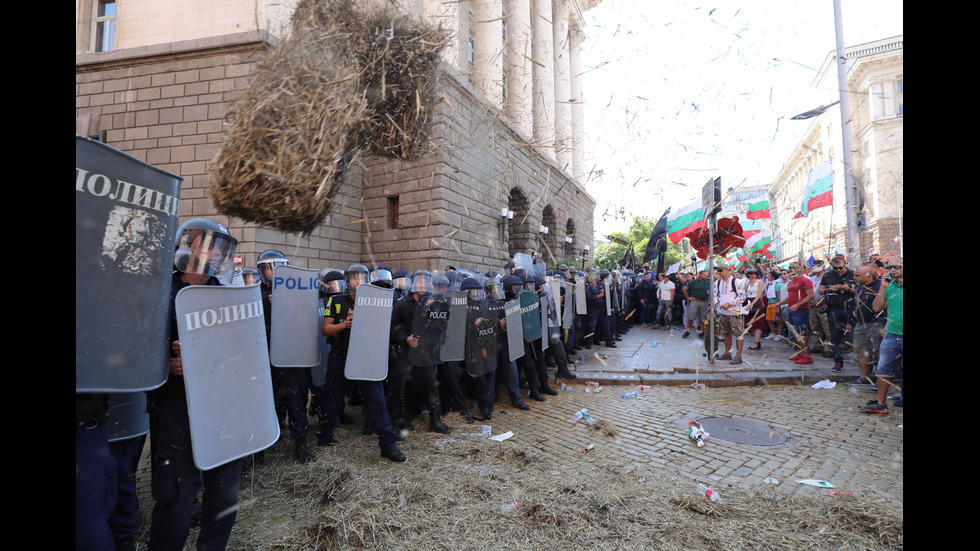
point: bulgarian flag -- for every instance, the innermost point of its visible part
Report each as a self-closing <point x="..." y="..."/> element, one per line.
<point x="819" y="188"/>
<point x="683" y="220"/>
<point x="760" y="240"/>
<point x="759" y="210"/>
<point x="750" y="228"/>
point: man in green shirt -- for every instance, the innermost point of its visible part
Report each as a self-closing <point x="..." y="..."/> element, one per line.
<point x="892" y="349"/>
<point x="696" y="292"/>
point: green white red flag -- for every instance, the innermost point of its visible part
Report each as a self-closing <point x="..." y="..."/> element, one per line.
<point x="759" y="210"/>
<point x="819" y="189"/>
<point x="683" y="220"/>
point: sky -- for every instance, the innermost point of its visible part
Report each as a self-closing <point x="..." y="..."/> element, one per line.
<point x="680" y="91"/>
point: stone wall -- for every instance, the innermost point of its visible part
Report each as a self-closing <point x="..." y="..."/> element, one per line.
<point x="166" y="105"/>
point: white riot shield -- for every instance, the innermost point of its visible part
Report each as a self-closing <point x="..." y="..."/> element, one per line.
<point x="226" y="372"/>
<point x="581" y="308"/>
<point x="370" y="334"/>
<point x="454" y="349"/>
<point x="555" y="293"/>
<point x="125" y="226"/>
<point x="607" y="284"/>
<point x="545" y="337"/>
<point x="318" y="374"/>
<point x="127" y="416"/>
<point x="515" y="329"/>
<point x="568" y="313"/>
<point x="296" y="319"/>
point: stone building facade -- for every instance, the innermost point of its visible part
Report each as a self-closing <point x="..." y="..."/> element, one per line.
<point x="162" y="87"/>
<point x="875" y="76"/>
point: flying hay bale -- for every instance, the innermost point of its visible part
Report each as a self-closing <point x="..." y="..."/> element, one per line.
<point x="344" y="80"/>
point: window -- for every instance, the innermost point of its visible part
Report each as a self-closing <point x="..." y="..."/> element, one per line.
<point x="900" y="88"/>
<point x="392" y="214"/>
<point x="104" y="26"/>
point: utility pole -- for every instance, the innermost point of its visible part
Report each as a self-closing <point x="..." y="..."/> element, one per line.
<point x="850" y="188"/>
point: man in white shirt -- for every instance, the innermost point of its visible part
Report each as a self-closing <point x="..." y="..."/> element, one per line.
<point x="729" y="304"/>
<point x="665" y="301"/>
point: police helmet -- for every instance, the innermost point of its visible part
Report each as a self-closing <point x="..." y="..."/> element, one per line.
<point x="355" y="275"/>
<point x="421" y="282"/>
<point x="251" y="276"/>
<point x="400" y="279"/>
<point x="473" y="287"/>
<point x="331" y="283"/>
<point x="381" y="277"/>
<point x="492" y="288"/>
<point x="205" y="247"/>
<point x="267" y="263"/>
<point x="512" y="286"/>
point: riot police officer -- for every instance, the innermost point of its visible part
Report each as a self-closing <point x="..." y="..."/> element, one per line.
<point x="337" y="321"/>
<point x="204" y="257"/>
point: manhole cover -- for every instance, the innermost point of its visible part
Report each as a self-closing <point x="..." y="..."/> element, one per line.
<point x="742" y="431"/>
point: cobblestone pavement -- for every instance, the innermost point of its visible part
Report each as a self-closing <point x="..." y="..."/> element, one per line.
<point x="771" y="426"/>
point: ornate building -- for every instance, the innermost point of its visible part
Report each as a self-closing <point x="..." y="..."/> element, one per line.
<point x="505" y="170"/>
<point x="875" y="77"/>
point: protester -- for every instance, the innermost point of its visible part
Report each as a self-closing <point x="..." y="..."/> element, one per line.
<point x="696" y="290"/>
<point x="890" y="297"/>
<point x="820" y="334"/>
<point x="730" y="305"/>
<point x="755" y="319"/>
<point x="799" y="293"/>
<point x="862" y="320"/>
<point x="838" y="290"/>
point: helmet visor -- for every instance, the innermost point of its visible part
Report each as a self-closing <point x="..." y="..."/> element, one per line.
<point x="208" y="253"/>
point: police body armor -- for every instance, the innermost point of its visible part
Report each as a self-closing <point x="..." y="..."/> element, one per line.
<point x="226" y="372"/>
<point x="124" y="253"/>
<point x="429" y="326"/>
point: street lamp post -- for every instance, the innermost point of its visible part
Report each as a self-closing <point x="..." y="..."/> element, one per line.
<point x="850" y="188"/>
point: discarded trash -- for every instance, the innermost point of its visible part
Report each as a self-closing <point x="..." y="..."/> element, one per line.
<point x="818" y="483"/>
<point x="709" y="493"/>
<point x="562" y="386"/>
<point x="588" y="448"/>
<point x="502" y="437"/>
<point x="591" y="383"/>
<point x="581" y="358"/>
<point x="826" y="383"/>
<point x="770" y="480"/>
<point x="697" y="385"/>
<point x="508" y="507"/>
<point x="584" y="414"/>
<point x="643" y="479"/>
<point x="642" y="387"/>
<point x="833" y="493"/>
<point x="696" y="432"/>
<point x="595" y="390"/>
<point x="629" y="395"/>
<point x="655" y="343"/>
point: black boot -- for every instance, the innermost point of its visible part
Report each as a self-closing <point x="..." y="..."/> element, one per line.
<point x="436" y="424"/>
<point x="393" y="454"/>
<point x="520" y="405"/>
<point x="535" y="395"/>
<point x="303" y="454"/>
<point x="565" y="373"/>
<point x="548" y="390"/>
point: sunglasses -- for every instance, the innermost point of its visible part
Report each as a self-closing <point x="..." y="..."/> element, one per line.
<point x="840" y="267"/>
<point x="893" y="267"/>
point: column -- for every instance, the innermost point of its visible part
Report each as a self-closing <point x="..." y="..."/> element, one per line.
<point x="488" y="48"/>
<point x="576" y="38"/>
<point x="543" y="63"/>
<point x="518" y="66"/>
<point x="563" y="93"/>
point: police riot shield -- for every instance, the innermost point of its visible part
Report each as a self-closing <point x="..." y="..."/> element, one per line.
<point x="568" y="312"/>
<point x="581" y="308"/>
<point x="429" y="327"/>
<point x="295" y="333"/>
<point x="367" y="352"/>
<point x="515" y="329"/>
<point x="607" y="285"/>
<point x="481" y="339"/>
<point x="226" y="372"/>
<point x="127" y="416"/>
<point x="530" y="315"/>
<point x="318" y="374"/>
<point x="454" y="349"/>
<point x="545" y="330"/>
<point x="523" y="261"/>
<point x="125" y="229"/>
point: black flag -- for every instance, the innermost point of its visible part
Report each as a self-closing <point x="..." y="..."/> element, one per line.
<point x="657" y="245"/>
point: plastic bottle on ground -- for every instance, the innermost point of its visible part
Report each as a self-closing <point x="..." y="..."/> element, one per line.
<point x="629" y="395"/>
<point x="709" y="493"/>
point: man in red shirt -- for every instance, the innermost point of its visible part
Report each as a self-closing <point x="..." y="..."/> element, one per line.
<point x="799" y="296"/>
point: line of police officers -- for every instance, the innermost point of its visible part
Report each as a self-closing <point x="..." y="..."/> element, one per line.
<point x="449" y="336"/>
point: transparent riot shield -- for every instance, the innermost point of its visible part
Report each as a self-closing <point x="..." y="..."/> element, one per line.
<point x="481" y="339"/>
<point x="530" y="315"/>
<point x="454" y="349"/>
<point x="429" y="326"/>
